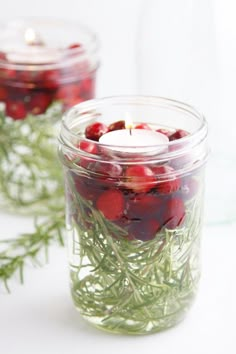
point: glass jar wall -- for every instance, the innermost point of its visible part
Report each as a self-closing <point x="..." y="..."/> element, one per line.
<point x="134" y="214"/>
<point x="46" y="66"/>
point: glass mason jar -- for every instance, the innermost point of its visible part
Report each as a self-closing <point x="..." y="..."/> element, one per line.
<point x="46" y="66"/>
<point x="134" y="214"/>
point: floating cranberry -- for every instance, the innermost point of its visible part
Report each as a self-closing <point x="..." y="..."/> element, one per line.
<point x="139" y="178"/>
<point x="174" y="213"/>
<point x="120" y="124"/>
<point x="143" y="205"/>
<point x="178" y="135"/>
<point x="95" y="130"/>
<point x="111" y="203"/>
<point x="166" y="132"/>
<point x="142" y="126"/>
<point x="144" y="230"/>
<point x="74" y="46"/>
<point x="16" y="109"/>
<point x="189" y="188"/>
<point x="167" y="182"/>
<point x="39" y="103"/>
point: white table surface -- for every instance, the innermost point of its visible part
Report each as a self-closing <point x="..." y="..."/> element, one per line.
<point x="39" y="317"/>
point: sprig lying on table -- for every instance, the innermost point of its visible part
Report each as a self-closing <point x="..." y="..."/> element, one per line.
<point x="28" y="247"/>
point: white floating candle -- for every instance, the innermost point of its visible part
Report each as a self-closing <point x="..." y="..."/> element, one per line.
<point x="33" y="52"/>
<point x="135" y="140"/>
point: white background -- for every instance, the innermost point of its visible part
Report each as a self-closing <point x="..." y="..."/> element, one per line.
<point x="39" y="317"/>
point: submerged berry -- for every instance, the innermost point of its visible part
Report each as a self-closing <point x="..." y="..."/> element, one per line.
<point x="174" y="213"/>
<point x="111" y="203"/>
<point x="144" y="230"/>
<point x="189" y="188"/>
<point x="88" y="146"/>
<point x="39" y="103"/>
<point x="167" y="182"/>
<point x="16" y="109"/>
<point x="139" y="178"/>
<point x="143" y="205"/>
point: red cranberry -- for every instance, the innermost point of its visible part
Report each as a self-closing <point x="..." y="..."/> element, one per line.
<point x="109" y="168"/>
<point x="8" y="74"/>
<point x="174" y="213"/>
<point x="16" y="109"/>
<point x="139" y="178"/>
<point x="86" y="187"/>
<point x="39" y="103"/>
<point x="189" y="188"/>
<point x="178" y="135"/>
<point x="120" y="124"/>
<point x="142" y="126"/>
<point x="88" y="146"/>
<point x="111" y="203"/>
<point x="167" y="182"/>
<point x="3" y="94"/>
<point x="2" y="56"/>
<point x="50" y="78"/>
<point x="68" y="92"/>
<point x="91" y="148"/>
<point x="74" y="46"/>
<point x="95" y="130"/>
<point x="72" y="102"/>
<point x="144" y="230"/>
<point x="166" y="132"/>
<point x="87" y="86"/>
<point x="143" y="205"/>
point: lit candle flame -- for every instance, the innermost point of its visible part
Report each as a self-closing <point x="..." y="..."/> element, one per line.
<point x="32" y="37"/>
<point x="129" y="123"/>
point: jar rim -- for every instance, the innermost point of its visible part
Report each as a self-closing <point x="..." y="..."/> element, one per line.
<point x="89" y="105"/>
<point x="89" y="45"/>
<point x="177" y="148"/>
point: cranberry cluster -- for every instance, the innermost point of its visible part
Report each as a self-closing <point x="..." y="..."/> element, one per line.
<point x="142" y="198"/>
<point x="32" y="91"/>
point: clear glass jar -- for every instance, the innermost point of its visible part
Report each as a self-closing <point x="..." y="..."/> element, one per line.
<point x="46" y="66"/>
<point x="134" y="215"/>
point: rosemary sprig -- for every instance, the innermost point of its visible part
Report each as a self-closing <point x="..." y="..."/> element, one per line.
<point x="30" y="182"/>
<point x="132" y="286"/>
<point x="27" y="247"/>
<point x="29" y="169"/>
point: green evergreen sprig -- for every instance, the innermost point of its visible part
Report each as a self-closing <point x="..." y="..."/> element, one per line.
<point x="30" y="174"/>
<point x="27" y="248"/>
<point x="132" y="286"/>
<point x="30" y="183"/>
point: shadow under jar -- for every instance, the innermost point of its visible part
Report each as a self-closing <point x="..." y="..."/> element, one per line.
<point x="46" y="66"/>
<point x="134" y="213"/>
